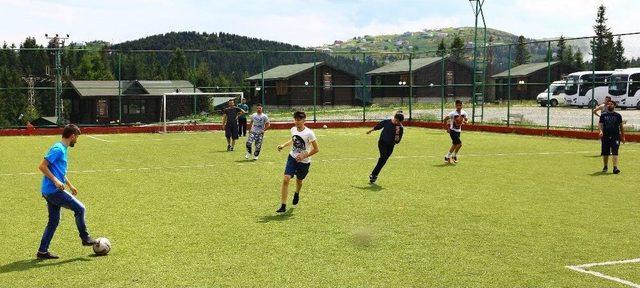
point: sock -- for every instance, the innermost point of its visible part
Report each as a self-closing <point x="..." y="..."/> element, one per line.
<point x="449" y="155"/>
<point x="454" y="154"/>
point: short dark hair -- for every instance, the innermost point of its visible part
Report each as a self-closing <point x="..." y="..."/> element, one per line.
<point x="298" y="115"/>
<point x="70" y="129"/>
<point x="399" y="116"/>
<point x="605" y="97"/>
<point x="458" y="102"/>
<point x="259" y="104"/>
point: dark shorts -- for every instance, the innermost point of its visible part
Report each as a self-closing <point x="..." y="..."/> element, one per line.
<point x="455" y="137"/>
<point x="297" y="169"/>
<point x="610" y="145"/>
<point x="231" y="131"/>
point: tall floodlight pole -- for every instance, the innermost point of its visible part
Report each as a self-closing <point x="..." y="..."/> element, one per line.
<point x="58" y="44"/>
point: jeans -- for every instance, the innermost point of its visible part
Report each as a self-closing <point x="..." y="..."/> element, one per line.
<point x="386" y="150"/>
<point x="54" y="202"/>
<point x="242" y="124"/>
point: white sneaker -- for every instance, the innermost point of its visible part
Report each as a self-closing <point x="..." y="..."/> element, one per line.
<point x="255" y="157"/>
<point x="246" y="156"/>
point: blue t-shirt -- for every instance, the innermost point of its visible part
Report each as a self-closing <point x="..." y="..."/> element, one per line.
<point x="57" y="157"/>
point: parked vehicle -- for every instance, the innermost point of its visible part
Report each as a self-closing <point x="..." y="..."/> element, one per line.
<point x="553" y="96"/>
<point x="587" y="88"/>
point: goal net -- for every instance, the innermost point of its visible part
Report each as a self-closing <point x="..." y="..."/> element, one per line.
<point x="215" y="98"/>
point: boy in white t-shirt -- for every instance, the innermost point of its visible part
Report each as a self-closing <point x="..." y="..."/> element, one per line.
<point x="304" y="145"/>
<point x="456" y="119"/>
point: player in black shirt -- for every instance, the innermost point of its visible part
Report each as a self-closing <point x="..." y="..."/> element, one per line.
<point x="390" y="136"/>
<point x="611" y="132"/>
<point x="230" y="123"/>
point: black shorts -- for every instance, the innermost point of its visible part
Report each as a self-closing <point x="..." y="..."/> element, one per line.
<point x="297" y="169"/>
<point x="231" y="131"/>
<point x="610" y="145"/>
<point x="455" y="137"/>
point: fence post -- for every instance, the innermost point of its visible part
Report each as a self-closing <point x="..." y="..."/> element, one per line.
<point x="364" y="88"/>
<point x="410" y="87"/>
<point x="442" y="86"/>
<point x="119" y="87"/>
<point x="315" y="83"/>
<point x="262" y="77"/>
<point x="548" y="81"/>
<point x="195" y="97"/>
<point x="593" y="82"/>
<point x="509" y="87"/>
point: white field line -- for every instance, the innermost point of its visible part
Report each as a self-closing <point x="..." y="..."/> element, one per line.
<point x="99" y="139"/>
<point x="583" y="269"/>
<point x="248" y="162"/>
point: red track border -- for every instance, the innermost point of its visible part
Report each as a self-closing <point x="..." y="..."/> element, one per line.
<point x="209" y="127"/>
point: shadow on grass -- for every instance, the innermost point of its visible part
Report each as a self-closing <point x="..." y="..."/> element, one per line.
<point x="370" y="187"/>
<point x="443" y="165"/>
<point x="600" y="173"/>
<point x="278" y="217"/>
<point x="245" y="161"/>
<point x="592" y="156"/>
<point x="24" y="265"/>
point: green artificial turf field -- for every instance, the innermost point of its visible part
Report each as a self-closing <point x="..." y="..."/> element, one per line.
<point x="181" y="211"/>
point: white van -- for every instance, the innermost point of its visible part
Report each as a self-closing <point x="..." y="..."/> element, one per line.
<point x="587" y="88"/>
<point x="624" y="88"/>
<point x="554" y="95"/>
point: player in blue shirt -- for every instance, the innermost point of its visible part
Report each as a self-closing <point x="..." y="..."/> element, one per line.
<point x="611" y="132"/>
<point x="391" y="135"/>
<point x="54" y="168"/>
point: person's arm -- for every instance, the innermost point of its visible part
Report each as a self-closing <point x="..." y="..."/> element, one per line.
<point x="74" y="190"/>
<point x="44" y="168"/>
<point x="622" y="132"/>
<point x="285" y="144"/>
<point x="446" y="125"/>
<point x="465" y="120"/>
<point x="224" y="119"/>
<point x="600" y="127"/>
<point x="241" y="111"/>
<point x="266" y="125"/>
<point x="596" y="110"/>
<point x="251" y="124"/>
<point x="314" y="150"/>
<point x="377" y="127"/>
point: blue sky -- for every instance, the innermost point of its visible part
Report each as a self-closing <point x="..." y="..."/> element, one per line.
<point x="299" y="22"/>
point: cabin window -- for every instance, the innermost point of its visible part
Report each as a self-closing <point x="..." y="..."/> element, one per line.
<point x="327" y="81"/>
<point x="134" y="107"/>
<point x="450" y="77"/>
<point x="282" y="89"/>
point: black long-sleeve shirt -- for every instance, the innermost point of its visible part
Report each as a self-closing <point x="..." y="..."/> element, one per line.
<point x="391" y="134"/>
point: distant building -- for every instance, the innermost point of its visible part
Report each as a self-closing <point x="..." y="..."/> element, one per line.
<point x="527" y="80"/>
<point x="96" y="102"/>
<point x="426" y="71"/>
<point x="290" y="85"/>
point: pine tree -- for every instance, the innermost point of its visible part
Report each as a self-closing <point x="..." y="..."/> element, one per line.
<point x="579" y="62"/>
<point x="602" y="44"/>
<point x="562" y="47"/>
<point x="178" y="67"/>
<point x="442" y="49"/>
<point x="619" y="61"/>
<point x="457" y="49"/>
<point x="522" y="54"/>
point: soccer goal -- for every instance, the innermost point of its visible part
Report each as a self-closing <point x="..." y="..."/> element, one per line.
<point x="217" y="98"/>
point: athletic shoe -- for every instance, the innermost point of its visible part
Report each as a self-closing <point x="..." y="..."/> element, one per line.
<point x="372" y="179"/>
<point x="616" y="170"/>
<point x="255" y="157"/>
<point x="283" y="208"/>
<point x="246" y="156"/>
<point x="228" y="147"/>
<point x="296" y="199"/>
<point x="605" y="169"/>
<point x="46" y="255"/>
<point x="231" y="148"/>
<point x="88" y="242"/>
<point x="447" y="159"/>
<point x="455" y="159"/>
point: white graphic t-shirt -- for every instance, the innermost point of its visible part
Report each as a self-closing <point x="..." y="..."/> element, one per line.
<point x="301" y="142"/>
<point x="456" y="119"/>
<point x="259" y="122"/>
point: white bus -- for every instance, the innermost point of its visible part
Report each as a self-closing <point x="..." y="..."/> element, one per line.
<point x="624" y="88"/>
<point x="580" y="88"/>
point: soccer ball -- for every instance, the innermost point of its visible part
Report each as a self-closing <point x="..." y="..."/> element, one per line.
<point x="324" y="126"/>
<point x="102" y="246"/>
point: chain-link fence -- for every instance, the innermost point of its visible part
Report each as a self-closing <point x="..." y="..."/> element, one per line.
<point x="510" y="82"/>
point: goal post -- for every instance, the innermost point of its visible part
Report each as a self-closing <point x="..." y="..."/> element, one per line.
<point x="218" y="98"/>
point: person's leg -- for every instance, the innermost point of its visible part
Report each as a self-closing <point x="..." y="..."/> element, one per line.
<point x="250" y="141"/>
<point x="615" y="145"/>
<point x="284" y="191"/>
<point x="605" y="152"/>
<point x="234" y="136"/>
<point x="50" y="230"/>
<point x="259" y="138"/>
<point x="72" y="203"/>
<point x="385" y="152"/>
<point x="289" y="171"/>
<point x="301" y="173"/>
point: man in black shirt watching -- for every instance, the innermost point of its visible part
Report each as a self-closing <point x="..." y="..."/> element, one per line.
<point x="230" y="123"/>
<point x="611" y="132"/>
<point x="390" y="136"/>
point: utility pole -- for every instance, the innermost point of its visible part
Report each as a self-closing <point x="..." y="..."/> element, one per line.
<point x="58" y="44"/>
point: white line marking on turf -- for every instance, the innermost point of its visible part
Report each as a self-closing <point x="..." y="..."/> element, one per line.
<point x="99" y="139"/>
<point x="583" y="269"/>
